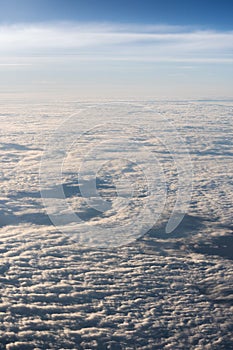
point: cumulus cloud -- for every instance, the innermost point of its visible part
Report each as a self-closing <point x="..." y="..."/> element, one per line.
<point x="159" y="292"/>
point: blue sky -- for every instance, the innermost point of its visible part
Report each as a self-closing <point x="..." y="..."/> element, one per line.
<point x="210" y="13"/>
<point x="117" y="49"/>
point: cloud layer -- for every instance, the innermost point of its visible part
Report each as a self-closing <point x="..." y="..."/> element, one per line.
<point x="117" y="42"/>
<point x="163" y="291"/>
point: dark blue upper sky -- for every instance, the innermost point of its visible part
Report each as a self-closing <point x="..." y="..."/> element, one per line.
<point x="207" y="13"/>
<point x="189" y="57"/>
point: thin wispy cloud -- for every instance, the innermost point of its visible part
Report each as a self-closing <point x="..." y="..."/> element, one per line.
<point x="116" y="42"/>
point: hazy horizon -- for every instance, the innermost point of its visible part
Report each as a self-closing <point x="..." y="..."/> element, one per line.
<point x="116" y="228"/>
<point x="127" y="51"/>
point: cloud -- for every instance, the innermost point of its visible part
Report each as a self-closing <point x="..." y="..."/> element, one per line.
<point x="56" y="294"/>
<point x="116" y="42"/>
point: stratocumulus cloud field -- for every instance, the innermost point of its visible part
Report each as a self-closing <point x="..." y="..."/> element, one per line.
<point x="66" y="286"/>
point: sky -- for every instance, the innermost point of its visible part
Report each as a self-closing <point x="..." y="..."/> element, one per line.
<point x="117" y="49"/>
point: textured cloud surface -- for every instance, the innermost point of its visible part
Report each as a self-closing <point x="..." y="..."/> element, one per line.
<point x="163" y="291"/>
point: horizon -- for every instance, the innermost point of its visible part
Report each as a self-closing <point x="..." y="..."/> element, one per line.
<point x="116" y="174"/>
<point x="62" y="49"/>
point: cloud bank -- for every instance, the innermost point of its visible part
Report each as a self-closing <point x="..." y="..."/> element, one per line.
<point x="160" y="292"/>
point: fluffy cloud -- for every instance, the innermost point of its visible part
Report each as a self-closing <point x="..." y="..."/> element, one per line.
<point x="162" y="291"/>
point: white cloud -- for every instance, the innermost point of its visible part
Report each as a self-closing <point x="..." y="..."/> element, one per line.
<point x="56" y="294"/>
<point x="117" y="42"/>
